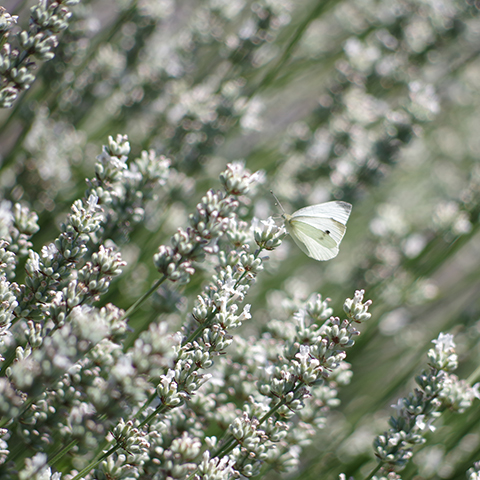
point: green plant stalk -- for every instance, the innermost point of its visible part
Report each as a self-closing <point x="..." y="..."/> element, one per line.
<point x="319" y="8"/>
<point x="96" y="462"/>
<point x="142" y="299"/>
<point x="158" y="410"/>
<point x="62" y="452"/>
<point x="145" y="405"/>
<point x="374" y="471"/>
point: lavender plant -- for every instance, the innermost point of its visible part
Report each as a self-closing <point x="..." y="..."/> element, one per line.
<point x="438" y="391"/>
<point x="47" y="19"/>
<point x="158" y="323"/>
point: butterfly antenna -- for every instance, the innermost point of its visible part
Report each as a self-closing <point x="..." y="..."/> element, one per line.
<point x="277" y="201"/>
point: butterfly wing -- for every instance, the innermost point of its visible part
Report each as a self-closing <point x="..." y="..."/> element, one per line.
<point x="330" y="232"/>
<point x="339" y="211"/>
<point x="319" y="229"/>
<point x="312" y="237"/>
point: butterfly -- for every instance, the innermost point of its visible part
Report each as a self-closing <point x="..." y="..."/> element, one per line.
<point x="318" y="229"/>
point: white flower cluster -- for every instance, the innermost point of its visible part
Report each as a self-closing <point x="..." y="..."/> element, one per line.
<point x="39" y="41"/>
<point x="438" y="390"/>
<point x="308" y="368"/>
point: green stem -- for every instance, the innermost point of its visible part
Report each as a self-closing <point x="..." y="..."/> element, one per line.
<point x="274" y="409"/>
<point x="474" y="376"/>
<point x="159" y="409"/>
<point x="143" y="298"/>
<point x="227" y="447"/>
<point x="374" y="471"/>
<point x="92" y="465"/>
<point x="145" y="405"/>
<point x="25" y="408"/>
<point x="193" y="336"/>
<point x="272" y="74"/>
<point x="62" y="452"/>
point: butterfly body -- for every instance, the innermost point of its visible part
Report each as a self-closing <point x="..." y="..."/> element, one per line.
<point x="319" y="229"/>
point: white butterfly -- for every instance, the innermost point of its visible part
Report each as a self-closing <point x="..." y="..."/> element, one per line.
<point x="319" y="229"/>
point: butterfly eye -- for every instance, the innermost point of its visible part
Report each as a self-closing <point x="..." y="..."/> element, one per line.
<point x="327" y="232"/>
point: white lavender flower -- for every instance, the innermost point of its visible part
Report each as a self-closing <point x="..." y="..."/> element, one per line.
<point x="438" y="390"/>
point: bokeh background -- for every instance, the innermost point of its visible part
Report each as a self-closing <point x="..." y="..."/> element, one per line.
<point x="374" y="102"/>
